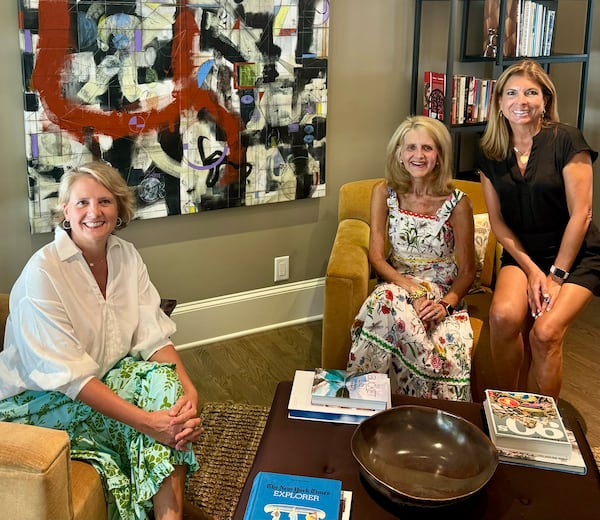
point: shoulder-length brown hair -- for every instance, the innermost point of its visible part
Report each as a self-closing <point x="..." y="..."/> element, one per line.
<point x="495" y="141"/>
<point x="397" y="176"/>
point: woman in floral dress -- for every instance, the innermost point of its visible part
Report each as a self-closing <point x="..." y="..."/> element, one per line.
<point x="414" y="325"/>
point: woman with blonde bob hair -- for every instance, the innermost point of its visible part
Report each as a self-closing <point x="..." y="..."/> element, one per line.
<point x="108" y="177"/>
<point x="414" y="326"/>
<point x="87" y="349"/>
<point x="396" y="174"/>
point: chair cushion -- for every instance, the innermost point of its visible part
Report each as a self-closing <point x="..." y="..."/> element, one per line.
<point x="482" y="235"/>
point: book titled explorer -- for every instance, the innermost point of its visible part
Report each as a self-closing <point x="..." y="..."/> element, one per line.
<point x="526" y="422"/>
<point x="298" y="497"/>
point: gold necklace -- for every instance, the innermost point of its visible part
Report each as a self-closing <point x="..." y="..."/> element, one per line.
<point x="97" y="262"/>
<point x="523" y="157"/>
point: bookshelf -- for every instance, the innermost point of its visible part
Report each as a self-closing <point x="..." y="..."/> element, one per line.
<point x="567" y="60"/>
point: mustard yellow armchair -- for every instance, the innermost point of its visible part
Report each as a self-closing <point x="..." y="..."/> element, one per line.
<point x="349" y="279"/>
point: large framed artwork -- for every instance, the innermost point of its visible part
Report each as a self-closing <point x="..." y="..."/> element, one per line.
<point x="200" y="105"/>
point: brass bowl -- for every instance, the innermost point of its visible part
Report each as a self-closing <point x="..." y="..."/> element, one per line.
<point x="423" y="456"/>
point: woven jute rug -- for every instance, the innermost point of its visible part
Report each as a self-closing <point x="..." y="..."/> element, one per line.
<point x="596" y="452"/>
<point x="225" y="452"/>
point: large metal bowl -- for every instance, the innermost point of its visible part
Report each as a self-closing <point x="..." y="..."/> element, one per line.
<point x="423" y="456"/>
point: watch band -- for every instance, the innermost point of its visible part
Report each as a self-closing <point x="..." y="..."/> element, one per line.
<point x="449" y="308"/>
<point x="558" y="272"/>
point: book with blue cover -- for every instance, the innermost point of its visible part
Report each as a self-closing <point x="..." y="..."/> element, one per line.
<point x="293" y="497"/>
<point x="333" y="387"/>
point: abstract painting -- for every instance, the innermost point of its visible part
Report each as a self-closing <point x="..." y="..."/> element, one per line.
<point x="201" y="105"/>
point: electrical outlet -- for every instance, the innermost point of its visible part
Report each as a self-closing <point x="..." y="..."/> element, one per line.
<point x="282" y="268"/>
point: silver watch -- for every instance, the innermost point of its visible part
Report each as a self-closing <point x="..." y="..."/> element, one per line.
<point x="558" y="272"/>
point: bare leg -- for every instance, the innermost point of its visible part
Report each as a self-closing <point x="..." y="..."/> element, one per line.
<point x="547" y="337"/>
<point x="168" y="501"/>
<point x="524" y="370"/>
<point x="508" y="313"/>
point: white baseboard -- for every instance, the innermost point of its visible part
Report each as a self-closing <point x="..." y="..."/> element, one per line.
<point x="234" y="315"/>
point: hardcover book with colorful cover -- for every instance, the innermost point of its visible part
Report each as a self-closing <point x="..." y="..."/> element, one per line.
<point x="300" y="407"/>
<point x="297" y="497"/>
<point x="350" y="390"/>
<point x="526" y="422"/>
<point x="434" y="93"/>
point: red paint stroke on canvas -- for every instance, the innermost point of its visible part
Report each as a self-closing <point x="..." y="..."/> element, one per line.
<point x="54" y="47"/>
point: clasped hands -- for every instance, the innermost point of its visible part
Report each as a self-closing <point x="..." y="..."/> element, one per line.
<point x="178" y="426"/>
<point x="429" y="311"/>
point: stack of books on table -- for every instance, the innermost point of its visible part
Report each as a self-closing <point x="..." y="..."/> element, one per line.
<point x="297" y="497"/>
<point x="527" y="429"/>
<point x="338" y="395"/>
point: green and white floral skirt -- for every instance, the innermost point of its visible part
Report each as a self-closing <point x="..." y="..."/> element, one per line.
<point x="132" y="465"/>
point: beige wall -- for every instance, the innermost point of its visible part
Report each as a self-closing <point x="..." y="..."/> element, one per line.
<point x="194" y="257"/>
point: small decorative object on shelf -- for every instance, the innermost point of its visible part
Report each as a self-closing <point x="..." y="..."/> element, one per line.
<point x="491" y="44"/>
<point x="279" y="496"/>
<point x="526" y="422"/>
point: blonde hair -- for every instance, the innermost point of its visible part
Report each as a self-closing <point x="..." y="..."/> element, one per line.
<point x="495" y="141"/>
<point x="398" y="177"/>
<point x="106" y="175"/>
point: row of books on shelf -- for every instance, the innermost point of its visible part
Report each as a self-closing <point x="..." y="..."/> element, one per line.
<point x="527" y="429"/>
<point x="528" y="29"/>
<point x="297" y="497"/>
<point x="471" y="98"/>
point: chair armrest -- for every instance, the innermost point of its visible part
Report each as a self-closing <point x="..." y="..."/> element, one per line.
<point x="346" y="288"/>
<point x="34" y="473"/>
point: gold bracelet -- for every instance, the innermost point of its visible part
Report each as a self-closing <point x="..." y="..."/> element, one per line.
<point x="415" y="295"/>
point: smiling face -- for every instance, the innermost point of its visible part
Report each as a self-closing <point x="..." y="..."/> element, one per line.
<point x="92" y="211"/>
<point x="419" y="153"/>
<point x="522" y="101"/>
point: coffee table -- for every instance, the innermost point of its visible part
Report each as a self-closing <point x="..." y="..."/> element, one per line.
<point x="322" y="449"/>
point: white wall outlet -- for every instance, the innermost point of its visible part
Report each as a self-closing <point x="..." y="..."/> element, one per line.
<point x="282" y="268"/>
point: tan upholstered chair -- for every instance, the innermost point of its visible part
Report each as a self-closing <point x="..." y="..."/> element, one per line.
<point x="38" y="480"/>
<point x="349" y="279"/>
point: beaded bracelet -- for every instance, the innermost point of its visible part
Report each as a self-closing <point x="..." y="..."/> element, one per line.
<point x="415" y="295"/>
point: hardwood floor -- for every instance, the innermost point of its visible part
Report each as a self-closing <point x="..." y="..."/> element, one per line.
<point x="247" y="369"/>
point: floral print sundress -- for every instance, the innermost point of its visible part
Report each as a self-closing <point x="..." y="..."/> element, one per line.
<point x="388" y="336"/>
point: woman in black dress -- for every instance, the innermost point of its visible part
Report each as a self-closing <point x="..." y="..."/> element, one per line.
<point x="537" y="182"/>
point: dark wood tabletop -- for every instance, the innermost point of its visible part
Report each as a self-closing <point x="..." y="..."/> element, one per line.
<point x="322" y="449"/>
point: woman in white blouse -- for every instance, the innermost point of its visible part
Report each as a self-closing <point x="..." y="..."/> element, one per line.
<point x="87" y="349"/>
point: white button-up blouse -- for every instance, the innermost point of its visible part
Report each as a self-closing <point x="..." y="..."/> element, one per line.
<point x="61" y="331"/>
